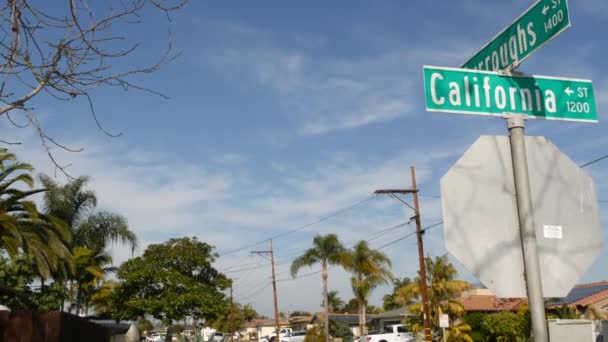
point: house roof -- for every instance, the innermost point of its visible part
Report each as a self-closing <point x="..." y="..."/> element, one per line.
<point x="270" y="322"/>
<point x="490" y="303"/>
<point x="300" y="319"/>
<point x="585" y="294"/>
<point x="345" y="318"/>
<point x="395" y="313"/>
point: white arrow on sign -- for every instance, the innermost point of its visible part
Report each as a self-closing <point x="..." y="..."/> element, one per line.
<point x="545" y="9"/>
<point x="568" y="91"/>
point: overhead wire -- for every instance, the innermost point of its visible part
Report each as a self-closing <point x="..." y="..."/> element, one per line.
<point x="594" y="161"/>
<point x="288" y="259"/>
<point x="324" y="218"/>
<point x="375" y="249"/>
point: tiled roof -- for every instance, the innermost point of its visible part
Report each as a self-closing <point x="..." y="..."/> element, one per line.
<point x="300" y="319"/>
<point x="490" y="303"/>
<point x="585" y="294"/>
<point x="270" y="322"/>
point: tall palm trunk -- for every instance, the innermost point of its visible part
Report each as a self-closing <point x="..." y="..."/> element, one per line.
<point x="325" y="302"/>
<point x="78" y="298"/>
<point x="362" y="331"/>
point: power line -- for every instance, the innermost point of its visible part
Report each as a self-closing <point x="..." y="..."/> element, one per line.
<point x="325" y="218"/>
<point x="255" y="292"/>
<point x="289" y="259"/>
<point x="410" y="234"/>
<point x="376" y="249"/>
<point x="594" y="161"/>
<point x="376" y="235"/>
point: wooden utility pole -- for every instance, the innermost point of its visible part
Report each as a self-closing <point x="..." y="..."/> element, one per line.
<point x="274" y="290"/>
<point x="231" y="315"/>
<point x="423" y="286"/>
<point x="419" y="232"/>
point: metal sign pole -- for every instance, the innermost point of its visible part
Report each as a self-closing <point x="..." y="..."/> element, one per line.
<point x="445" y="338"/>
<point x="526" y="228"/>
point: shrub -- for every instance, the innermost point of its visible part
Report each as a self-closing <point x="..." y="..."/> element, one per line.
<point x="342" y="330"/>
<point x="315" y="334"/>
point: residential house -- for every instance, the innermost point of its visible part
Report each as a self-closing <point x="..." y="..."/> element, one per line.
<point x="267" y="326"/>
<point x="249" y="330"/>
<point x="351" y="319"/>
<point x="483" y="300"/>
<point x="300" y="323"/>
<point x="391" y="317"/>
<point x="588" y="300"/>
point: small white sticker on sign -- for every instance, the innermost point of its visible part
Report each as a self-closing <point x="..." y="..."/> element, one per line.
<point x="552" y="232"/>
<point x="444" y="321"/>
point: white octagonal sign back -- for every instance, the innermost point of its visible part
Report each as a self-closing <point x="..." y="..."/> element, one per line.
<point x="481" y="225"/>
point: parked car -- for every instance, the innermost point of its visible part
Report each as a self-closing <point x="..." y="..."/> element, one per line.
<point x="391" y="333"/>
<point x="219" y="336"/>
<point x="296" y="336"/>
<point x="283" y="334"/>
<point x="156" y="337"/>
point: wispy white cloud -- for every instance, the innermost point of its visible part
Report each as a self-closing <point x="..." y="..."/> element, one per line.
<point x="163" y="197"/>
<point x="325" y="93"/>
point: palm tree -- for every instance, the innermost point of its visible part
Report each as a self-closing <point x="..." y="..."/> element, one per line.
<point x="24" y="230"/>
<point x="91" y="269"/>
<point x="92" y="230"/>
<point x="369" y="269"/>
<point x="443" y="293"/>
<point x="326" y="250"/>
<point x="336" y="304"/>
<point x="388" y="300"/>
<point x="74" y="205"/>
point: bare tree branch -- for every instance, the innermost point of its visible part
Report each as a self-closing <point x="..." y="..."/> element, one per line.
<point x="70" y="54"/>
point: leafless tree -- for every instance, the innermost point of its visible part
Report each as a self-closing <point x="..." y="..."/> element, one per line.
<point x="66" y="49"/>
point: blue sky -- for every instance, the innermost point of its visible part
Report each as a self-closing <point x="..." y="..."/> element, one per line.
<point x="282" y="113"/>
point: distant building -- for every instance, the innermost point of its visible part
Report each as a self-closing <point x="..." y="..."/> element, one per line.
<point x="587" y="300"/>
<point x="300" y="323"/>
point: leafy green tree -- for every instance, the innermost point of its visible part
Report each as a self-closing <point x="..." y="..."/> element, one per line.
<point x="249" y="313"/>
<point x="443" y="293"/>
<point x="144" y="325"/>
<point x="326" y="250"/>
<point x="351" y="306"/>
<point x="335" y="302"/>
<point x="171" y="281"/>
<point x="341" y="330"/>
<point x="316" y="334"/>
<point x="16" y="278"/>
<point x="505" y="326"/>
<point x="230" y="319"/>
<point x="369" y="268"/>
<point x="299" y="313"/>
<point x="23" y="229"/>
<point x="475" y="321"/>
<point x="372" y="309"/>
<point x="388" y="300"/>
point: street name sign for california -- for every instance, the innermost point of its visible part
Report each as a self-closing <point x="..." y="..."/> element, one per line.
<point x="492" y="93"/>
<point x="544" y="20"/>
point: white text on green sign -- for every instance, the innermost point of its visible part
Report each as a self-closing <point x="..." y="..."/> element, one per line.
<point x="535" y="27"/>
<point x="490" y="93"/>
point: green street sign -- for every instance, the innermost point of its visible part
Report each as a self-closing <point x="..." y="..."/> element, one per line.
<point x="544" y="20"/>
<point x="491" y="93"/>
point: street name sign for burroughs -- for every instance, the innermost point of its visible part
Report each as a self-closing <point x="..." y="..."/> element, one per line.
<point x="491" y="93"/>
<point x="544" y="20"/>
